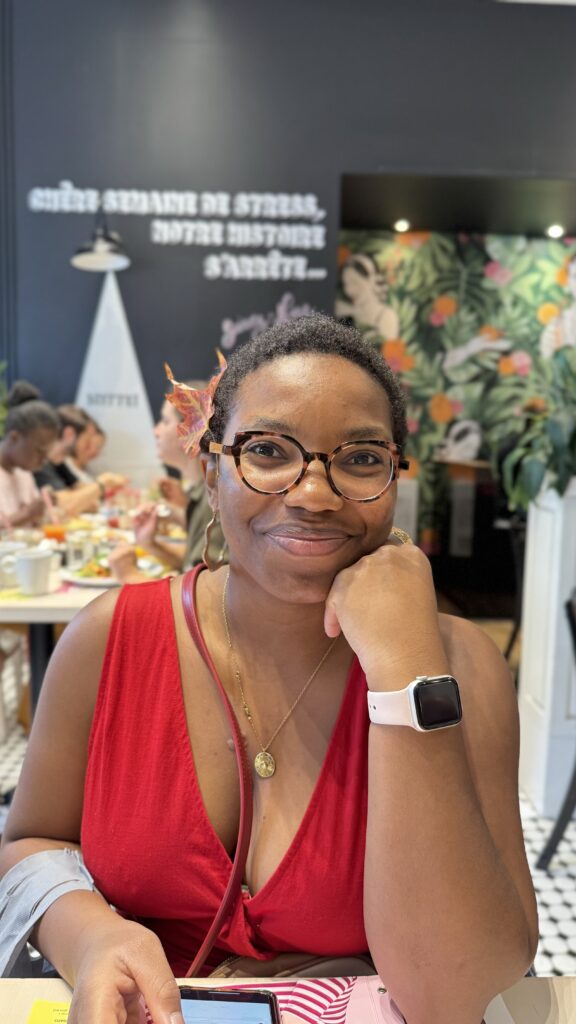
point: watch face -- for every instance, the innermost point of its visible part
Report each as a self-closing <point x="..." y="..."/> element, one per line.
<point x="437" y="703"/>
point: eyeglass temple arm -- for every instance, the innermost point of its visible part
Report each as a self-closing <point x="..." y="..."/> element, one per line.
<point x="215" y="448"/>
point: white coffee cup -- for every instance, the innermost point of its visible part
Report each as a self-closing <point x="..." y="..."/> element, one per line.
<point x="33" y="571"/>
<point x="8" y="550"/>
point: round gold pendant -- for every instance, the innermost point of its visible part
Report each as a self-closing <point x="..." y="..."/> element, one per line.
<point x="264" y="764"/>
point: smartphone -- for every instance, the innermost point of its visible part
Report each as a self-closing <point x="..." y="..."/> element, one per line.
<point x="231" y="1006"/>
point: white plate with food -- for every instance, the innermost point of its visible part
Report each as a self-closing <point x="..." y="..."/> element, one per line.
<point x="96" y="572"/>
<point x="82" y="579"/>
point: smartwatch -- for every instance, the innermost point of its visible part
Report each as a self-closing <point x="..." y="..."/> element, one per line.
<point x="427" y="703"/>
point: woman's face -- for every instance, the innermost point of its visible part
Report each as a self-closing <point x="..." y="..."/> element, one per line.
<point x="166" y="434"/>
<point x="97" y="443"/>
<point x="293" y="545"/>
<point x="83" y="445"/>
<point x="30" y="451"/>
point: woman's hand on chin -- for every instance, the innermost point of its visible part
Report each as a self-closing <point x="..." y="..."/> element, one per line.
<point x="385" y="605"/>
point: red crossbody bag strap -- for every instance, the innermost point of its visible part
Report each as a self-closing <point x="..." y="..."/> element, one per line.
<point x="244" y="775"/>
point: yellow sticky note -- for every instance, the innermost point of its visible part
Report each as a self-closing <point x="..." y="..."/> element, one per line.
<point x="46" y="1012"/>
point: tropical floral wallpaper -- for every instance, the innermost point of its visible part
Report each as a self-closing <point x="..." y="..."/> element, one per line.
<point x="466" y="321"/>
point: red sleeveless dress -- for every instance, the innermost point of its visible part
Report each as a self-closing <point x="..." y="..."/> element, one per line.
<point x="146" y="836"/>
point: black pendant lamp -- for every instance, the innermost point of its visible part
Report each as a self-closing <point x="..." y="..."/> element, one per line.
<point x="103" y="252"/>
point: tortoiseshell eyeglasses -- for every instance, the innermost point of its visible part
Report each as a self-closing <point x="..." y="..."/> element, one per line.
<point x="271" y="463"/>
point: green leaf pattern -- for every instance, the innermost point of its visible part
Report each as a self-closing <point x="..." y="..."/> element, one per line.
<point x="472" y="314"/>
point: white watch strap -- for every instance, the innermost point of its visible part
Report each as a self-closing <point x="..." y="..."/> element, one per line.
<point x="394" y="707"/>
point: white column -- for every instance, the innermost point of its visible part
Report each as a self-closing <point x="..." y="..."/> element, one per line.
<point x="547" y="691"/>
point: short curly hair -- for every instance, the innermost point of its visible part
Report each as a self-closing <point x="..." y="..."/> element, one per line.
<point x="317" y="334"/>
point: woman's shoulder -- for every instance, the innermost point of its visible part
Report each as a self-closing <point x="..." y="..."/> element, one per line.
<point x="139" y="609"/>
<point x="115" y="621"/>
<point x="26" y="481"/>
<point x="465" y="639"/>
<point x="90" y="626"/>
<point x="476" y="662"/>
<point x="86" y="636"/>
<point x="6" y="480"/>
<point x="73" y="674"/>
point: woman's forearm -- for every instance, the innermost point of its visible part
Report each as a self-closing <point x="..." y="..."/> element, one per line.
<point x="58" y="933"/>
<point x="75" y="500"/>
<point x="70" y="926"/>
<point x="445" y="923"/>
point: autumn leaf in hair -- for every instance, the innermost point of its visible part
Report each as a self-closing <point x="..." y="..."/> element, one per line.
<point x="195" y="407"/>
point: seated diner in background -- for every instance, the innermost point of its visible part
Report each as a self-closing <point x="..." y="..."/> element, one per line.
<point x="187" y="499"/>
<point x="383" y="736"/>
<point x="94" y="449"/>
<point x="69" y="495"/>
<point x="88" y="446"/>
<point x="30" y="429"/>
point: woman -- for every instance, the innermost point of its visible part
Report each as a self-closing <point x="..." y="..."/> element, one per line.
<point x="365" y="837"/>
<point x="30" y="430"/>
<point x="87" y="446"/>
<point x="189" y="502"/>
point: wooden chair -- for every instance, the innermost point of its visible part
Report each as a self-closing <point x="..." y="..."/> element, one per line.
<point x="567" y="809"/>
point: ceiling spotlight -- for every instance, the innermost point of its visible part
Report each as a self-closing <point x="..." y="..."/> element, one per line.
<point x="555" y="231"/>
<point x="103" y="252"/>
<point x="401" y="225"/>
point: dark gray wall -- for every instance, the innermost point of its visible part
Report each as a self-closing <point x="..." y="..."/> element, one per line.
<point x="257" y="95"/>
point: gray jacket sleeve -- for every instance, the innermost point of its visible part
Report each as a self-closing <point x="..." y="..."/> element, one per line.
<point x="26" y="892"/>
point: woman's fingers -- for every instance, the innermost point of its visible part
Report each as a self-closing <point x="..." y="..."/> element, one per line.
<point x="158" y="986"/>
<point x="331" y="623"/>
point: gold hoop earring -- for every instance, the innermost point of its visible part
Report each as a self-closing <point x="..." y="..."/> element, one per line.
<point x="214" y="539"/>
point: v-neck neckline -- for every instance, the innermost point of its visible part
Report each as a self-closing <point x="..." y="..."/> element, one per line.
<point x="296" y="840"/>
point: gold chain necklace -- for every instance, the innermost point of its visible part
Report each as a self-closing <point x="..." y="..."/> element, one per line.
<point x="264" y="762"/>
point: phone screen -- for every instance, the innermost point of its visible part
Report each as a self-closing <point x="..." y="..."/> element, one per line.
<point x="213" y="1006"/>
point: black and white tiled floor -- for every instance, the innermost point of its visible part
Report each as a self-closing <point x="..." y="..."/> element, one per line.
<point x="555" y="888"/>
<point x="13" y="748"/>
<point x="555" y="892"/>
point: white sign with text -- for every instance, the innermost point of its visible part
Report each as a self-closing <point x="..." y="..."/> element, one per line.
<point x="286" y="227"/>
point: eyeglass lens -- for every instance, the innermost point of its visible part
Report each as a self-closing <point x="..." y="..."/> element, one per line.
<point x="359" y="471"/>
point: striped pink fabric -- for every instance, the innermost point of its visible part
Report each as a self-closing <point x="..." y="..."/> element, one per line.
<point x="313" y="1000"/>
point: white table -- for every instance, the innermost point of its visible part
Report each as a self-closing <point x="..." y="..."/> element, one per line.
<point x="40" y="613"/>
<point x="530" y="1001"/>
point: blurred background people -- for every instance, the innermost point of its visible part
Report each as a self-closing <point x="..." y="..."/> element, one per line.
<point x="70" y="495"/>
<point x="187" y="503"/>
<point x="97" y="442"/>
<point x="87" y="447"/>
<point x="30" y="430"/>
